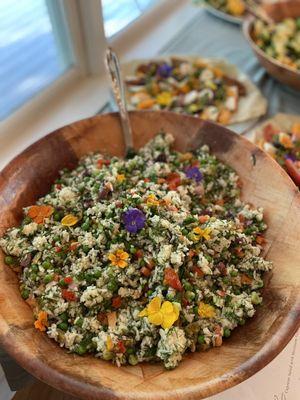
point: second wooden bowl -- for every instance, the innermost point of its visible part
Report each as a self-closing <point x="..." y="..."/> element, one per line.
<point x="278" y="11"/>
<point x="200" y="374"/>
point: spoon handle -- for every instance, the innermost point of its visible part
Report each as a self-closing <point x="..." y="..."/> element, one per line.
<point x="258" y="11"/>
<point x="113" y="68"/>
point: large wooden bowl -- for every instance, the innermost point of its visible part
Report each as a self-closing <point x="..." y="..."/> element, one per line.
<point x="201" y="374"/>
<point x="278" y="11"/>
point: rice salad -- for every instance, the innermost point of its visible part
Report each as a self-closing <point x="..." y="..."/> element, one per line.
<point x="141" y="259"/>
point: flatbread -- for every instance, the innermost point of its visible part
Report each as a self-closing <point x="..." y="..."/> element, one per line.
<point x="251" y="106"/>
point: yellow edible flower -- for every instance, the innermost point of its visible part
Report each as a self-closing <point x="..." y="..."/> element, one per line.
<point x="120" y="178"/>
<point x="199" y="233"/>
<point x="186" y="156"/>
<point x="164" y="314"/>
<point x="285" y="140"/>
<point x="236" y="7"/>
<point x="206" y="310"/>
<point x="109" y="343"/>
<point x="152" y="200"/>
<point x="69" y="220"/>
<point x="164" y="98"/>
<point x="118" y="258"/>
<point x="42" y="321"/>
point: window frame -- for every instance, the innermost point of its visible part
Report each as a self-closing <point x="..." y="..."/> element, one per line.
<point x="83" y="90"/>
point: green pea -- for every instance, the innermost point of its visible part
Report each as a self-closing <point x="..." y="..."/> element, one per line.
<point x="190" y="295"/>
<point x="130" y="350"/>
<point x="185" y="232"/>
<point x="242" y="322"/>
<point x="226" y="280"/>
<point x="187" y="286"/>
<point x="196" y="309"/>
<point x="85" y="248"/>
<point x="149" y="292"/>
<point x="255" y="298"/>
<point x="189" y="220"/>
<point x="107" y="355"/>
<point x="27" y="220"/>
<point x="34" y="268"/>
<point x="132" y="359"/>
<point x="57" y="216"/>
<point x="85" y="226"/>
<point x="201" y="339"/>
<point x="25" y="294"/>
<point x="112" y="286"/>
<point x="48" y="278"/>
<point x="79" y="322"/>
<point x="227" y="332"/>
<point x="9" y="260"/>
<point x="33" y="276"/>
<point x="47" y="265"/>
<point x="62" y="283"/>
<point x="234" y="273"/>
<point x="80" y="349"/>
<point x="63" y="326"/>
<point x="64" y="316"/>
<point x="97" y="274"/>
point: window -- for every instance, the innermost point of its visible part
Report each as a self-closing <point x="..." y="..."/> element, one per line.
<point x="118" y="14"/>
<point x="34" y="50"/>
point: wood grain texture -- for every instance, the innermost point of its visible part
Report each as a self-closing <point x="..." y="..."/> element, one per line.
<point x="278" y="11"/>
<point x="249" y="348"/>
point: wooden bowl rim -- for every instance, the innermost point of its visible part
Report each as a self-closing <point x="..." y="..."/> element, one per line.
<point x="259" y="360"/>
<point x="247" y="27"/>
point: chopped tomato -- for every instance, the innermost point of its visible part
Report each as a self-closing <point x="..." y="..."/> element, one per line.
<point x="293" y="171"/>
<point x="260" y="239"/>
<point x="146" y="180"/>
<point x="57" y="249"/>
<point x="102" y="318"/>
<point x="171" y="279"/>
<point x="68" y="280"/>
<point x="145" y="271"/>
<point x="203" y="218"/>
<point x="68" y="295"/>
<point x="241" y="218"/>
<point x="222" y="268"/>
<point x="121" y="347"/>
<point x="185" y="302"/>
<point x="239" y="252"/>
<point x="246" y="280"/>
<point x="138" y="254"/>
<point x="116" y="301"/>
<point x="173" y="180"/>
<point x="73" y="246"/>
<point x="150" y="265"/>
<point x="191" y="254"/>
<point x="269" y="131"/>
<point x="58" y="186"/>
<point x="198" y="271"/>
<point x="102" y="162"/>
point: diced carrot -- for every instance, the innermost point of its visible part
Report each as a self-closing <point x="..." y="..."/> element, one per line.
<point x="145" y="104"/>
<point x="224" y="116"/>
<point x="260" y="239"/>
<point x="203" y="218"/>
<point x="171" y="279"/>
<point x="116" y="301"/>
<point x="246" y="280"/>
<point x="145" y="271"/>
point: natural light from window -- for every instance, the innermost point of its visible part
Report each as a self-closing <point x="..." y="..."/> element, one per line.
<point x="33" y="50"/>
<point x="117" y="14"/>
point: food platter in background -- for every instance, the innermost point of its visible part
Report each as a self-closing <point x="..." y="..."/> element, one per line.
<point x="279" y="136"/>
<point x="232" y="11"/>
<point x="183" y="81"/>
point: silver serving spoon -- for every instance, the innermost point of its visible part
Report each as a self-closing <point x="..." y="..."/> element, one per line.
<point x="113" y="68"/>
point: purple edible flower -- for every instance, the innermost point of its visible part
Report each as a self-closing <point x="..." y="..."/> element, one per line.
<point x="164" y="70"/>
<point x="134" y="220"/>
<point x="194" y="173"/>
<point x="290" y="157"/>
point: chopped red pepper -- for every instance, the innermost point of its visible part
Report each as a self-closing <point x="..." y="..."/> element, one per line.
<point x="185" y="302"/>
<point x="293" y="171"/>
<point x="121" y="347"/>
<point x="116" y="301"/>
<point x="68" y="295"/>
<point x="173" y="180"/>
<point x="171" y="279"/>
<point x="269" y="131"/>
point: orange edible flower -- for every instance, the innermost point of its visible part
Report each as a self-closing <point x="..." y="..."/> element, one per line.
<point x="42" y="322"/>
<point x="119" y="258"/>
<point x="296" y="130"/>
<point x="39" y="213"/>
<point x="145" y="104"/>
